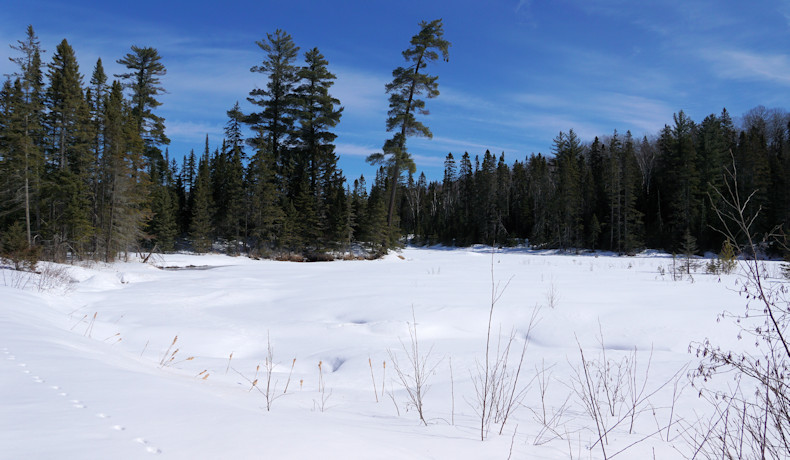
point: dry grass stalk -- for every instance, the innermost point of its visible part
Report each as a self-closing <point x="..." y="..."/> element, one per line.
<point x="228" y="366"/>
<point x="114" y="335"/>
<point x="78" y="322"/>
<point x="370" y="363"/>
<point x="320" y="377"/>
<point x="383" y="376"/>
<point x="163" y="360"/>
<point x="293" y="363"/>
<point x="452" y="394"/>
<point x="321" y="403"/>
<point x="89" y="329"/>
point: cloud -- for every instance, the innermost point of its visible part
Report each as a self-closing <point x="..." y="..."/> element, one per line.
<point x="446" y="144"/>
<point x="523" y="4"/>
<point x="361" y="93"/>
<point x="746" y="65"/>
<point x="355" y="150"/>
<point x="194" y="132"/>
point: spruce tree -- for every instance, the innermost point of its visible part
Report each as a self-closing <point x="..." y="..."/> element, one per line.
<point x="567" y="152"/>
<point x="681" y="177"/>
<point x="315" y="160"/>
<point x="126" y="211"/>
<point x="67" y="193"/>
<point x="164" y="206"/>
<point x="28" y="123"/>
<point x="275" y="122"/>
<point x="97" y="97"/>
<point x="200" y="229"/>
<point x="265" y="209"/>
<point x="234" y="189"/>
<point x="630" y="183"/>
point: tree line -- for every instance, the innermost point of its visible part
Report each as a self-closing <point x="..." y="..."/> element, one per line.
<point x="85" y="171"/>
<point x="614" y="193"/>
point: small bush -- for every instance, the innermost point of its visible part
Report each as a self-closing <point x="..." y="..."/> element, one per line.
<point x="728" y="258"/>
<point x="13" y="246"/>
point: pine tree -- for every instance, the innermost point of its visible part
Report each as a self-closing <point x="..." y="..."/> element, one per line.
<point x="143" y="79"/>
<point x="408" y="84"/>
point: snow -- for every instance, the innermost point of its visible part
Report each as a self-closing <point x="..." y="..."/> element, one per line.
<point x="80" y="372"/>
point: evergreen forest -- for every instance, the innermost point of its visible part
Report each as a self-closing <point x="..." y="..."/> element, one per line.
<point x="85" y="170"/>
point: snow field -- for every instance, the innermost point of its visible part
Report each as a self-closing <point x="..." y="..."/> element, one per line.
<point x="82" y="369"/>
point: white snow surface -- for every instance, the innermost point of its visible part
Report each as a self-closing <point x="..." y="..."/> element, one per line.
<point x="80" y="373"/>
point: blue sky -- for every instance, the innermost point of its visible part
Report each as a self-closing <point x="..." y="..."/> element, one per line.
<point x="520" y="71"/>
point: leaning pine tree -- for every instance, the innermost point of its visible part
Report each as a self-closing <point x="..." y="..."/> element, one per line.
<point x="408" y="84"/>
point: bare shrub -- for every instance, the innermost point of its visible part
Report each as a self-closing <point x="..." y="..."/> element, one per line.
<point x="757" y="417"/>
<point x="499" y="389"/>
<point x="16" y="279"/>
<point x="615" y="392"/>
<point x="267" y="388"/>
<point x="53" y="276"/>
<point x="550" y="419"/>
<point x="414" y="373"/>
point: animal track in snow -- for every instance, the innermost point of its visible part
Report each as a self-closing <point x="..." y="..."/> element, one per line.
<point x="149" y="449"/>
<point x="76" y="403"/>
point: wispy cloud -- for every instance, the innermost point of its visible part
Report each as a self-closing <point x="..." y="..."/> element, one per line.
<point x="355" y="150"/>
<point x="361" y="93"/>
<point x="446" y="144"/>
<point x="747" y="65"/>
<point x="194" y="132"/>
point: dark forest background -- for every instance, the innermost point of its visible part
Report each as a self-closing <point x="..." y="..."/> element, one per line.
<point x="85" y="172"/>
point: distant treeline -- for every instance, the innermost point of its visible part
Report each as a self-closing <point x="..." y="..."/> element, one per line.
<point x="616" y="192"/>
<point x="85" y="172"/>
